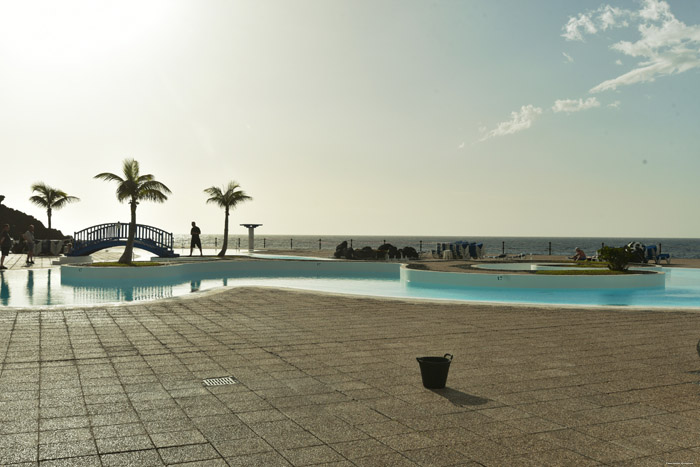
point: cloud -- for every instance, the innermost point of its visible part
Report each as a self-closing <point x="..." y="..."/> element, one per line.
<point x="673" y="62"/>
<point x="519" y="121"/>
<point x="574" y="105"/>
<point x="666" y="46"/>
<point x="604" y="18"/>
<point x="655" y="10"/>
<point x="572" y="28"/>
<point x="610" y="17"/>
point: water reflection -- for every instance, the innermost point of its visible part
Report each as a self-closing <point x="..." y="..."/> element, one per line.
<point x="30" y="286"/>
<point x="48" y="286"/>
<point x="92" y="294"/>
<point x="4" y="289"/>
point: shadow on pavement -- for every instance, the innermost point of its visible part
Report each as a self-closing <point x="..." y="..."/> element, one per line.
<point x="460" y="398"/>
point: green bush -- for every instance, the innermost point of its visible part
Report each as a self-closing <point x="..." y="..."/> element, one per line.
<point x="618" y="258"/>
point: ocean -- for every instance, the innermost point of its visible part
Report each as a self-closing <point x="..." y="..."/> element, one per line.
<point x="677" y="247"/>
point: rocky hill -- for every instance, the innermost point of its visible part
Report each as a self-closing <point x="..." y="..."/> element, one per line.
<point x="19" y="222"/>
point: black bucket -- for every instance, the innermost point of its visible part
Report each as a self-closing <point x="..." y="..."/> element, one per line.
<point x="434" y="370"/>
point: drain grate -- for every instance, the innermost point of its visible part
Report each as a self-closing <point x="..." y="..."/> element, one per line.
<point x="220" y="381"/>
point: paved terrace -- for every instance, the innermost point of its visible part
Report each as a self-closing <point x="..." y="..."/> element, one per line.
<point x="331" y="380"/>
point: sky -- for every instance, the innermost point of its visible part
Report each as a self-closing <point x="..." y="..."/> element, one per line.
<point x="363" y="117"/>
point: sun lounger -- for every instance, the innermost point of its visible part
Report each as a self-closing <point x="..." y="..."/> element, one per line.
<point x="460" y="249"/>
<point x="476" y="250"/>
<point x="652" y="254"/>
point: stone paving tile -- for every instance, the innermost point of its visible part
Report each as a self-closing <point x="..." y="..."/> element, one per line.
<point x="362" y="448"/>
<point x="67" y="449"/>
<point x="533" y="424"/>
<point x="622" y="429"/>
<point x="485" y="451"/>
<point x="261" y="416"/>
<point x="332" y="429"/>
<point x="311" y="455"/>
<point x="393" y="460"/>
<point x="119" y="430"/>
<point x="83" y="461"/>
<point x="16" y="453"/>
<point x="126" y="443"/>
<point x="18" y="439"/>
<point x="385" y="428"/>
<point x="63" y="436"/>
<point x="177" y="438"/>
<point x="236" y="430"/>
<point x="265" y="459"/>
<point x="113" y="418"/>
<point x="145" y="458"/>
<point x="19" y="425"/>
<point x="58" y="423"/>
<point x="241" y="447"/>
<point x="409" y="441"/>
<point x="205" y="463"/>
<point x="584" y="387"/>
<point x="604" y="452"/>
<point x="291" y="441"/>
<point x="437" y="456"/>
<point x="188" y="453"/>
<point x="559" y="457"/>
<point x="167" y="426"/>
<point x="116" y="400"/>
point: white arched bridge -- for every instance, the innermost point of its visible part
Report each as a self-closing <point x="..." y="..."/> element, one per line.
<point x="99" y="237"/>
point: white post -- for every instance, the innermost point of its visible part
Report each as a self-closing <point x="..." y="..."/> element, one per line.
<point x="251" y="238"/>
<point x="251" y="235"/>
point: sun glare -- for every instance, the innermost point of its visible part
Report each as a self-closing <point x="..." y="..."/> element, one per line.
<point x="69" y="33"/>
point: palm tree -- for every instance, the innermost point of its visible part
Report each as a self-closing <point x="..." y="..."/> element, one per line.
<point x="134" y="187"/>
<point x="226" y="197"/>
<point x="50" y="199"/>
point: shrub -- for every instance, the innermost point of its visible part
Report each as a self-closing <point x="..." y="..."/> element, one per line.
<point x="618" y="258"/>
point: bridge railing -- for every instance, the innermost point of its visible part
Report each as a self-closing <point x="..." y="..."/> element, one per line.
<point x="119" y="231"/>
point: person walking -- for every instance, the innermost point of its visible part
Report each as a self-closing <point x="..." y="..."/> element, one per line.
<point x="5" y="244"/>
<point x="29" y="238"/>
<point x="195" y="232"/>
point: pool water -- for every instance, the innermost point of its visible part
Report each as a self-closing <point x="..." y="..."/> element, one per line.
<point x="43" y="287"/>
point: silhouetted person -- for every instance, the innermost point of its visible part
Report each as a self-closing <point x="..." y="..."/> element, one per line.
<point x="5" y="244"/>
<point x="29" y="238"/>
<point x="195" y="232"/>
<point x="579" y="255"/>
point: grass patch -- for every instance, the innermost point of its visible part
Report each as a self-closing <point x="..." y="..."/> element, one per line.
<point x="590" y="264"/>
<point x="135" y="264"/>
<point x="582" y="272"/>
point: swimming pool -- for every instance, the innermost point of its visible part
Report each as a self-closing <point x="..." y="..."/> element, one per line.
<point x="49" y="287"/>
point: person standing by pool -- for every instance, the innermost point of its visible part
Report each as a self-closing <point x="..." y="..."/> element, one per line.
<point x="29" y="238"/>
<point x="195" y="232"/>
<point x="5" y="244"/>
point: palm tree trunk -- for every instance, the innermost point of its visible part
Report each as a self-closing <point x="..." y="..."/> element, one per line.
<point x="129" y="250"/>
<point x="224" y="245"/>
<point x="48" y="212"/>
